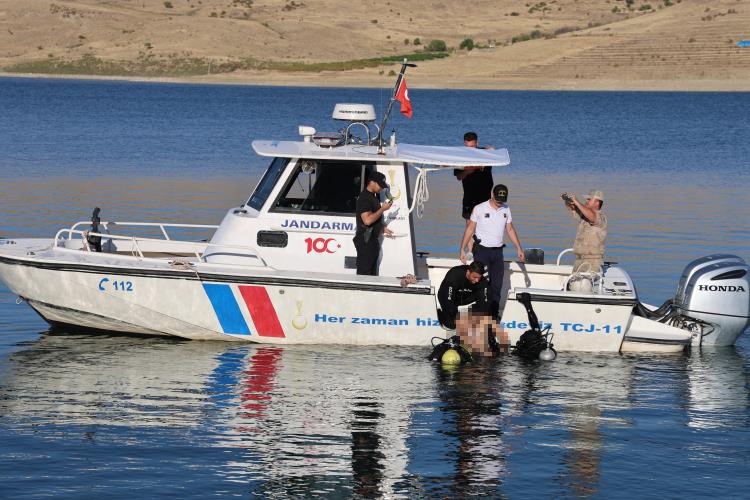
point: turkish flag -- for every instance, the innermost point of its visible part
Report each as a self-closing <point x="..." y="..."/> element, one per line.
<point x="402" y="96"/>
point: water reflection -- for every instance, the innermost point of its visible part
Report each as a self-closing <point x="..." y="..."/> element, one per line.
<point x="471" y="396"/>
<point x="715" y="391"/>
<point x="563" y="407"/>
<point x="367" y="458"/>
<point x="375" y="422"/>
<point x="583" y="458"/>
<point x="322" y="420"/>
<point x="103" y="380"/>
<point x="259" y="381"/>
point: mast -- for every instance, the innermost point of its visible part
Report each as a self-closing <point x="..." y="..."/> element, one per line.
<point x="379" y="138"/>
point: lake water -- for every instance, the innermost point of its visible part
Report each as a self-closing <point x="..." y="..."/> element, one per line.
<point x="91" y="416"/>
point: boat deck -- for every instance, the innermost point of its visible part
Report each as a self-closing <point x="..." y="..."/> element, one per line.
<point x="41" y="253"/>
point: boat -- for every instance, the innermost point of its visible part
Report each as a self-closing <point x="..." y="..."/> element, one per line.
<point x="280" y="268"/>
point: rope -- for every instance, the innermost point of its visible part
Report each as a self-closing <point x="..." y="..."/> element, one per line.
<point x="421" y="191"/>
<point x="181" y="264"/>
<point x="184" y="265"/>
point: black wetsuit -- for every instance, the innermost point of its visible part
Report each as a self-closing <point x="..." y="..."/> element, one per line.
<point x="456" y="290"/>
<point x="367" y="238"/>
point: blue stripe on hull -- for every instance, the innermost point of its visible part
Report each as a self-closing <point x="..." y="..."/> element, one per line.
<point x="226" y="309"/>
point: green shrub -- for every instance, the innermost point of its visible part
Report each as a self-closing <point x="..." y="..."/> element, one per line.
<point x="149" y="64"/>
<point x="536" y="34"/>
<point x="467" y="44"/>
<point x="437" y="46"/>
<point x="563" y="30"/>
<point x="417" y="41"/>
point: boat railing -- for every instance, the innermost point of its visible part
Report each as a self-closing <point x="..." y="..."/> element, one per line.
<point x="161" y="225"/>
<point x="66" y="234"/>
<point x="560" y="255"/>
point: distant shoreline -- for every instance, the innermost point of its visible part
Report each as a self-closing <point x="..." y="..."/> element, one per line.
<point x="362" y="79"/>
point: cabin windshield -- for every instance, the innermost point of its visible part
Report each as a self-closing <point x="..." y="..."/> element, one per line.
<point x="267" y="183"/>
<point x="323" y="186"/>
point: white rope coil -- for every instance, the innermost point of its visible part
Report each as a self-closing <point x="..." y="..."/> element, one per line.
<point x="421" y="191"/>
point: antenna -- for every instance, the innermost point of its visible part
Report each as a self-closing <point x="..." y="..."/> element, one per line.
<point x="379" y="138"/>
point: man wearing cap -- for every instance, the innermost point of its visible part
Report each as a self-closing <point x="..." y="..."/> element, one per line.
<point x="592" y="230"/>
<point x="370" y="224"/>
<point x="488" y="223"/>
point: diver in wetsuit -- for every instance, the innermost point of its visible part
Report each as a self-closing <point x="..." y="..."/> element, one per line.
<point x="477" y="331"/>
<point x="461" y="286"/>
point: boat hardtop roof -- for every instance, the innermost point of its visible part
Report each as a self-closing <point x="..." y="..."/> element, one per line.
<point x="437" y="156"/>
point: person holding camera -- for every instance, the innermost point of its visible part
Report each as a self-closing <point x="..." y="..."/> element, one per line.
<point x="370" y="224"/>
<point x="591" y="233"/>
<point x="487" y="225"/>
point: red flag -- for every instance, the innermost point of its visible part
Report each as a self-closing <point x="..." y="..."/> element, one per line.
<point x="402" y="96"/>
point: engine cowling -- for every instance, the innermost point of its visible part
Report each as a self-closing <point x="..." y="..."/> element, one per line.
<point x="716" y="289"/>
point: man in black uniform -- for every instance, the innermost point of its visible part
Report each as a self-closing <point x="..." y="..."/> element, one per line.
<point x="370" y="224"/>
<point x="461" y="286"/>
<point x="476" y="181"/>
<point x="477" y="331"/>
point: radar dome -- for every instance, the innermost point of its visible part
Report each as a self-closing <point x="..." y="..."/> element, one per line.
<point x="354" y="112"/>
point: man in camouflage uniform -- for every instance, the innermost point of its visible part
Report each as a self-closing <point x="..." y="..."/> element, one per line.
<point x="592" y="231"/>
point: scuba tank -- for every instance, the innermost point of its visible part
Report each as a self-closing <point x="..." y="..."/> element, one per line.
<point x="533" y="344"/>
<point x="450" y="351"/>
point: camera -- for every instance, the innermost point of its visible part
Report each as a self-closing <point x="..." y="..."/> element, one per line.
<point x="566" y="198"/>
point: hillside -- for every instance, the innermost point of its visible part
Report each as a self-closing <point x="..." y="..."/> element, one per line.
<point x="578" y="44"/>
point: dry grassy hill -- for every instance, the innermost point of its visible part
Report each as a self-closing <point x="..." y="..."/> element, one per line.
<point x="690" y="44"/>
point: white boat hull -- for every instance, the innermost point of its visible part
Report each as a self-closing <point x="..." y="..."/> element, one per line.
<point x="186" y="306"/>
<point x="119" y="293"/>
<point x="578" y="323"/>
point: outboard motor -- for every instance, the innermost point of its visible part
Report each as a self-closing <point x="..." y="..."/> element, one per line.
<point x="715" y="290"/>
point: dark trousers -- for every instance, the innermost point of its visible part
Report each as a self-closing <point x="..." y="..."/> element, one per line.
<point x="367" y="255"/>
<point x="492" y="258"/>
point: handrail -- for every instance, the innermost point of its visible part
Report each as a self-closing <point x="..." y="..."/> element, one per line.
<point x="559" y="256"/>
<point x="135" y="240"/>
<point x="160" y="225"/>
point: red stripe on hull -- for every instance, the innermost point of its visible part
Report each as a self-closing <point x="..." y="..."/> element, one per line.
<point x="262" y="311"/>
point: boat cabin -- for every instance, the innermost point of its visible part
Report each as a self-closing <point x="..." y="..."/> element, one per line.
<point x="301" y="215"/>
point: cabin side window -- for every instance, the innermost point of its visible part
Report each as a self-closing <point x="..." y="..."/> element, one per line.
<point x="323" y="186"/>
<point x="267" y="183"/>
